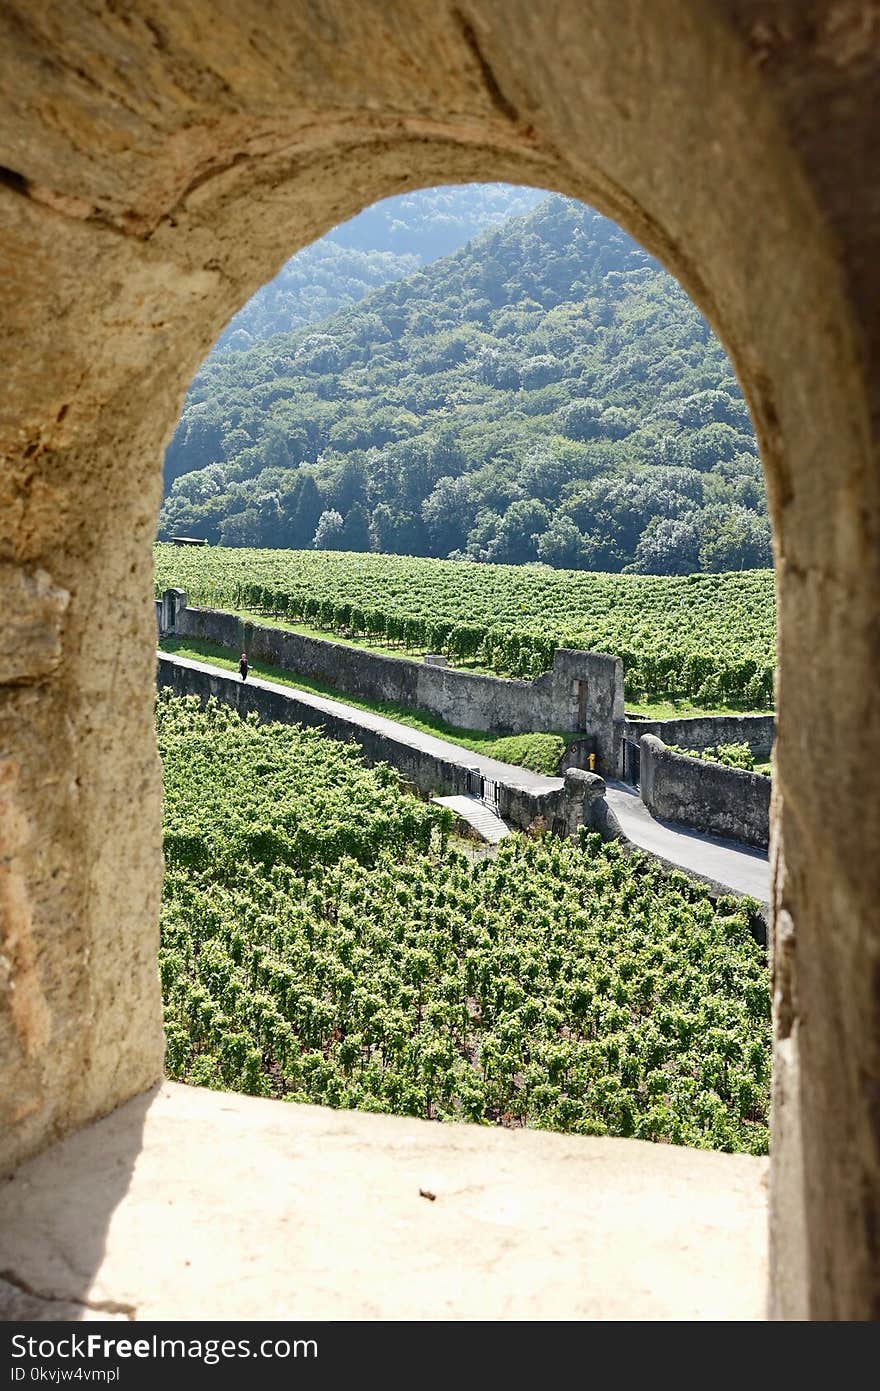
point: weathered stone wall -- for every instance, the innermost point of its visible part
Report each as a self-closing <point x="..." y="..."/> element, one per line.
<point x="159" y="163"/>
<point x="562" y="807"/>
<point x="562" y="813"/>
<point x="719" y="801"/>
<point x="707" y="731"/>
<point x="463" y="699"/>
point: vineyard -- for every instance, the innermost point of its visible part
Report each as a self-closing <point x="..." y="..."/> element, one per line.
<point x="729" y="755"/>
<point x="322" y="941"/>
<point x="710" y="638"/>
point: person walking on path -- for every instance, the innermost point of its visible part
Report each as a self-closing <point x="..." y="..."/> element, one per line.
<point x="243" y="666"/>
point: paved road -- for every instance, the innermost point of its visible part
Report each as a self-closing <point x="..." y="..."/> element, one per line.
<point x="725" y="861"/>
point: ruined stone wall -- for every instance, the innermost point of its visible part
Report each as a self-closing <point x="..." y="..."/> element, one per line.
<point x="561" y="814"/>
<point x="464" y="699"/>
<point x="710" y="797"/>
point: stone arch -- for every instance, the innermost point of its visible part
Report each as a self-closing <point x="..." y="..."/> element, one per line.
<point x="159" y="164"/>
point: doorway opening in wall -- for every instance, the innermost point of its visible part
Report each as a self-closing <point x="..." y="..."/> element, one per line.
<point x="477" y="425"/>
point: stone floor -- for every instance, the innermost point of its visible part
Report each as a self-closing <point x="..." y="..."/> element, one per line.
<point x="194" y="1204"/>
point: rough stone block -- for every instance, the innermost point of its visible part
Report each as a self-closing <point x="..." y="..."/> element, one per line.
<point x="31" y="631"/>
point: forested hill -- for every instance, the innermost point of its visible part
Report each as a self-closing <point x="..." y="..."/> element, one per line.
<point x="434" y="222"/>
<point x="546" y="393"/>
<point x="383" y="243"/>
<point x="317" y="282"/>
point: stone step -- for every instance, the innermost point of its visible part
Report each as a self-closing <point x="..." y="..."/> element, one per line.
<point x="486" y="822"/>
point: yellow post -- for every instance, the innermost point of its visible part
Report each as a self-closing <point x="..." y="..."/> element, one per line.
<point x="592" y="763"/>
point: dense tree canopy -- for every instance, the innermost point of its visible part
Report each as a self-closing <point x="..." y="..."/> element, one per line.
<point x="546" y="393"/>
<point x="434" y="222"/>
<point x="321" y="279"/>
<point x="385" y="242"/>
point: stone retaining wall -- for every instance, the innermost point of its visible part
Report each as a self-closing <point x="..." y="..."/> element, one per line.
<point x="584" y="690"/>
<point x="709" y="797"/>
<point x="707" y="731"/>
<point x="563" y="808"/>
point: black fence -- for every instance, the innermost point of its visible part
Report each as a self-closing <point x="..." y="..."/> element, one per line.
<point x="485" y="789"/>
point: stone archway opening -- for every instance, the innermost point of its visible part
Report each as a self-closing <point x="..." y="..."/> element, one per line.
<point x="158" y="170"/>
<point x="212" y="578"/>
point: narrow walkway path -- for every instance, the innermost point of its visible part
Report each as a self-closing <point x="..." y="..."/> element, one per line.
<point x="725" y="862"/>
<point x="486" y="822"/>
<point x="490" y="768"/>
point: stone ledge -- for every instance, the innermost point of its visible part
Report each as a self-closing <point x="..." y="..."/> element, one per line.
<point x="189" y="1204"/>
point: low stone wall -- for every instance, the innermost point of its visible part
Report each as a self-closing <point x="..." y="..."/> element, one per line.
<point x="563" y="808"/>
<point x="709" y="797"/>
<point x="707" y="731"/>
<point x="563" y="813"/>
<point x="584" y="690"/>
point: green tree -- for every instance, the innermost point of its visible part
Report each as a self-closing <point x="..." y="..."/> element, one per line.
<point x="356" y="530"/>
<point x="328" y="533"/>
<point x="395" y="532"/>
<point x="448" y="513"/>
<point x="668" y="546"/>
<point x="516" y="539"/>
<point x="271" y="520"/>
<point x="582" y="420"/>
<point x="562" y="544"/>
<point x="739" y="541"/>
<point x="241" y="529"/>
<point x="301" y="507"/>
